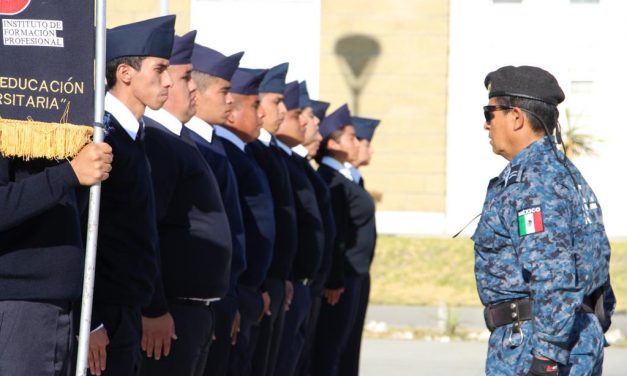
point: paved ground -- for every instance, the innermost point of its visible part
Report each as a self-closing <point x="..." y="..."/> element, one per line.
<point x="390" y="357"/>
<point x="405" y="358"/>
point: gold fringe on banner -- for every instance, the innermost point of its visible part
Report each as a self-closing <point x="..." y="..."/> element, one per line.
<point x="29" y="139"/>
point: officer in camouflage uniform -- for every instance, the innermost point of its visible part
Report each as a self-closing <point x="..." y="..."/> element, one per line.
<point x="541" y="252"/>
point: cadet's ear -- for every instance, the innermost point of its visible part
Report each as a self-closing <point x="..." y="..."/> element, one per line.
<point x="124" y="73"/>
<point x="333" y="145"/>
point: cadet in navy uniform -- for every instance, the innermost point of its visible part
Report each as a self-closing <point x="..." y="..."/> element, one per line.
<point x="541" y="252"/>
<point x="126" y="267"/>
<point x="41" y="257"/>
<point x="354" y="245"/>
<point x="212" y="74"/>
<point x="242" y="127"/>
<point x="307" y="151"/>
<point x="291" y="133"/>
<point x="194" y="237"/>
<point x="364" y="131"/>
<point x="268" y="156"/>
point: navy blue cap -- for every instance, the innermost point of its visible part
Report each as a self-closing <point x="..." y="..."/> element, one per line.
<point x="153" y="37"/>
<point x="290" y="96"/>
<point x="303" y="95"/>
<point x="336" y="120"/>
<point x="246" y="81"/>
<point x="319" y="108"/>
<point x="364" y="127"/>
<point x="182" y="49"/>
<point x="274" y="80"/>
<point x="213" y="63"/>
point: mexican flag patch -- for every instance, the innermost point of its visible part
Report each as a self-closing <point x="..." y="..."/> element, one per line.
<point x="530" y="221"/>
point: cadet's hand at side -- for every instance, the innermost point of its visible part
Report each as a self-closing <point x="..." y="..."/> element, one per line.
<point x="333" y="295"/>
<point x="158" y="333"/>
<point x="93" y="163"/>
<point x="289" y="295"/>
<point x="266" y="305"/>
<point x="97" y="357"/>
<point x="235" y="328"/>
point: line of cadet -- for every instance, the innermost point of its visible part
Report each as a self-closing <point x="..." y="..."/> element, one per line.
<point x="221" y="250"/>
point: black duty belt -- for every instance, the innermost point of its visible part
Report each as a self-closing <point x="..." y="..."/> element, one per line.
<point x="505" y="313"/>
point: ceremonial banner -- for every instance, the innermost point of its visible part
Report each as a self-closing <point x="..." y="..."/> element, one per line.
<point x="46" y="77"/>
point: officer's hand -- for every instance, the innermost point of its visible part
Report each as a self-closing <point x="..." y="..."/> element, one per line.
<point x="93" y="163"/>
<point x="289" y="295"/>
<point x="266" y="305"/>
<point x="235" y="328"/>
<point x="97" y="357"/>
<point x="333" y="295"/>
<point x="543" y="367"/>
<point x="158" y="333"/>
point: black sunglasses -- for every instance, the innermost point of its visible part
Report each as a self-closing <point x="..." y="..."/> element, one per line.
<point x="488" y="111"/>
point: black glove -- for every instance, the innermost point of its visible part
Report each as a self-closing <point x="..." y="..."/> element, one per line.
<point x="543" y="367"/>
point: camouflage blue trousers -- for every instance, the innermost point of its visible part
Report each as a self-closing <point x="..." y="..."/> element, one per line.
<point x="509" y="354"/>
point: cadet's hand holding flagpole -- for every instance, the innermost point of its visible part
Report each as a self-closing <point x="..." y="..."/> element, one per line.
<point x="94" y="193"/>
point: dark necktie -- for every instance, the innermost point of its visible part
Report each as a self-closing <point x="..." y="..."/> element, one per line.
<point x="140" y="132"/>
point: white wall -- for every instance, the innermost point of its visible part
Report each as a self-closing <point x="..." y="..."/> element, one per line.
<point x="270" y="31"/>
<point x="575" y="42"/>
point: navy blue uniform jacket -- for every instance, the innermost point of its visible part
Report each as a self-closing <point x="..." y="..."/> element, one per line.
<point x="274" y="167"/>
<point x="126" y="264"/>
<point x="323" y="196"/>
<point x="194" y="235"/>
<point x="214" y="154"/>
<point x="310" y="228"/>
<point x="354" y="211"/>
<point x="41" y="254"/>
<point x="257" y="213"/>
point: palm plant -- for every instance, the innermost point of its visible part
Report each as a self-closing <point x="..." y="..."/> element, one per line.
<point x="576" y="143"/>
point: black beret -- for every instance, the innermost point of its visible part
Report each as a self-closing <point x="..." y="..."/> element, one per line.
<point x="524" y="82"/>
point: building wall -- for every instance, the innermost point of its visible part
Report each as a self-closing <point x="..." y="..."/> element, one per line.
<point x="120" y="12"/>
<point x="406" y="87"/>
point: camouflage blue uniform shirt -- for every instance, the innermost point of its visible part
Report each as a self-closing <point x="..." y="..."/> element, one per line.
<point x="541" y="235"/>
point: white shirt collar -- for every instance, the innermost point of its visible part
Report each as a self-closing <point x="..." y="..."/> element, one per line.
<point x="202" y="128"/>
<point x="122" y="114"/>
<point x="264" y="136"/>
<point x="166" y="119"/>
<point x="339" y="167"/>
<point x="284" y="147"/>
<point x="301" y="150"/>
<point x="354" y="172"/>
<point x="230" y="136"/>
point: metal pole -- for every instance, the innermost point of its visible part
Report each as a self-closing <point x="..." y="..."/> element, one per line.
<point x="165" y="7"/>
<point x="94" y="193"/>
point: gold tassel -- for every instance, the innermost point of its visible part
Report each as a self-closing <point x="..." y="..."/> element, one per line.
<point x="29" y="139"/>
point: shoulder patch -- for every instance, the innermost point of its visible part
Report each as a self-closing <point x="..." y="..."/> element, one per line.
<point x="530" y="221"/>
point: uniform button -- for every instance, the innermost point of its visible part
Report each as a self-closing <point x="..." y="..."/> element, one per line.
<point x="512" y="306"/>
<point x="514" y="315"/>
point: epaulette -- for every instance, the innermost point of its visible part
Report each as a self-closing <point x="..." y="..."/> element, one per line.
<point x="515" y="175"/>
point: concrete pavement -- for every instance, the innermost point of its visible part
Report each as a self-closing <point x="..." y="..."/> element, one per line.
<point x="404" y="358"/>
<point x="420" y="357"/>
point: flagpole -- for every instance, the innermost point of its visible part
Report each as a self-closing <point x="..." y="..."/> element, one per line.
<point x="94" y="193"/>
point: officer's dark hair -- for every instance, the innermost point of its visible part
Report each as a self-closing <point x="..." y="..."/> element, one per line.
<point x="112" y="67"/>
<point x="323" y="150"/>
<point x="546" y="113"/>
